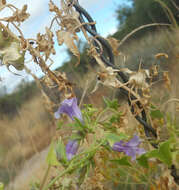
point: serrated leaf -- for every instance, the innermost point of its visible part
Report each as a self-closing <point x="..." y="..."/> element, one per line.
<point x="112" y="138"/>
<point x="123" y="161"/>
<point x="51" y="157"/>
<point x="143" y="161"/>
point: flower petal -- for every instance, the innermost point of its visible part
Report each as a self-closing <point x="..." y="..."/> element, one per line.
<point x="69" y="107"/>
<point x="57" y="115"/>
<point x="135" y="141"/>
<point x="71" y="148"/>
<point x="118" y="146"/>
<point x="130" y="148"/>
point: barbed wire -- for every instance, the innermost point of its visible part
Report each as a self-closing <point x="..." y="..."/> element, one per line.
<point x="109" y="61"/>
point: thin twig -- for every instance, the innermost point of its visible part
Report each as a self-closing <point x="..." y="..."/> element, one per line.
<point x="45" y="177"/>
<point x="175" y="5"/>
<point x="139" y="28"/>
<point x="84" y="93"/>
<point x="169" y="101"/>
<point x="51" y="24"/>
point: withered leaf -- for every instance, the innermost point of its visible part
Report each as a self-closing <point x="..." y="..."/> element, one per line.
<point x="18" y="15"/>
<point x="108" y="77"/>
<point x="45" y="43"/>
<point x="138" y="78"/>
<point x="69" y="40"/>
<point x="54" y="8"/>
<point x="11" y="55"/>
<point x="70" y="21"/>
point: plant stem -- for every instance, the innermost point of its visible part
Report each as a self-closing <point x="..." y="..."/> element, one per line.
<point x="45" y="177"/>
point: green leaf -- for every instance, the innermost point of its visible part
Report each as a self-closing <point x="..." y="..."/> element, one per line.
<point x="115" y="118"/>
<point x="123" y="172"/>
<point x="163" y="153"/>
<point x="123" y="161"/>
<point x="59" y="125"/>
<point x="1" y="186"/>
<point x="111" y="103"/>
<point x="51" y="157"/>
<point x="152" y="154"/>
<point x="61" y="151"/>
<point x="156" y="114"/>
<point x="76" y="137"/>
<point x="143" y="161"/>
<point x="113" y="138"/>
<point x="89" y="110"/>
<point x="79" y="125"/>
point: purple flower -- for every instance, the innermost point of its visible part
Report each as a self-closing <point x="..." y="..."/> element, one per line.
<point x="71" y="148"/>
<point x="130" y="148"/>
<point x="69" y="107"/>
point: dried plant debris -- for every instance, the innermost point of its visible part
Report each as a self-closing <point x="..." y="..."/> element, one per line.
<point x="18" y="15"/>
<point x="10" y="51"/>
<point x="12" y="55"/>
<point x="71" y="21"/>
<point x="167" y="81"/>
<point x="54" y="8"/>
<point x="69" y="24"/>
<point x="69" y="40"/>
<point x="158" y="55"/>
<point x="45" y="43"/>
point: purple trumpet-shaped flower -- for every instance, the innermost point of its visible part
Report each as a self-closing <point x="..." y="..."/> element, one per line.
<point x="69" y="107"/>
<point x="130" y="148"/>
<point x="71" y="148"/>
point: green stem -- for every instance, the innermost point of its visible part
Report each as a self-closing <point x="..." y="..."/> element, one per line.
<point x="73" y="166"/>
<point x="45" y="177"/>
<point x="56" y="178"/>
<point x="100" y="114"/>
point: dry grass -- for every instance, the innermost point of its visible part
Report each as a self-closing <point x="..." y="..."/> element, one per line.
<point x="28" y="133"/>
